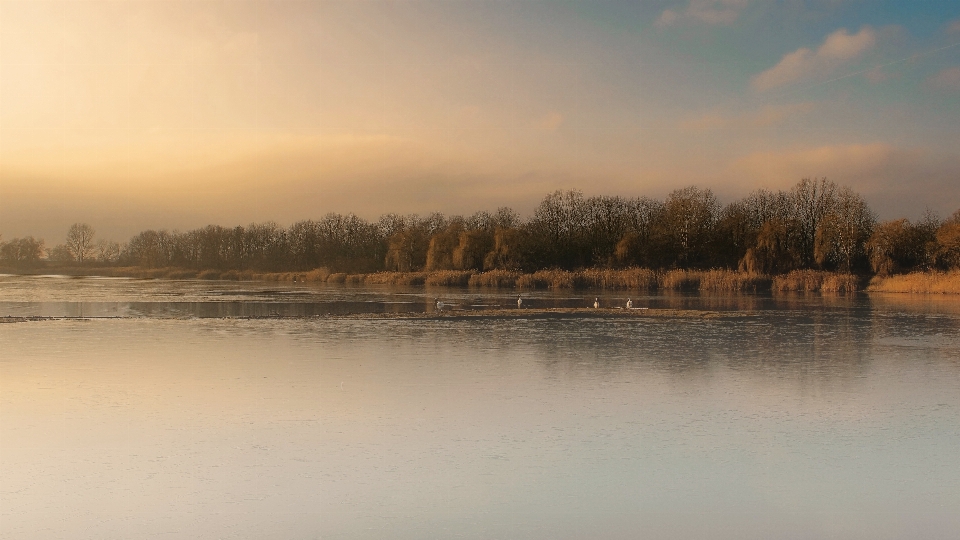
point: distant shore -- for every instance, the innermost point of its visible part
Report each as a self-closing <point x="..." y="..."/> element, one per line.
<point x="638" y="279"/>
<point x="481" y="314"/>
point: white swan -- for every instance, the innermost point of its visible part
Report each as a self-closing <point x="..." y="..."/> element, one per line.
<point x="629" y="303"/>
<point x="519" y="301"/>
<point x="439" y="305"/>
<point x="596" y="303"/>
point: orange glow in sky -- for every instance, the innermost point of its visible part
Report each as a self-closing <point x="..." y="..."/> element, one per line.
<point x="179" y="113"/>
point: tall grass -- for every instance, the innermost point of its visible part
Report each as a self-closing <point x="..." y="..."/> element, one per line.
<point x="714" y="281"/>
<point x="730" y="281"/>
<point x="494" y="279"/>
<point x="354" y="279"/>
<point x="317" y="275"/>
<point x="629" y="278"/>
<point x="918" y="282"/>
<point x="634" y="279"/>
<point x="591" y="278"/>
<point x="816" y="281"/>
<point x="395" y="278"/>
<point x="449" y="278"/>
<point x="680" y="280"/>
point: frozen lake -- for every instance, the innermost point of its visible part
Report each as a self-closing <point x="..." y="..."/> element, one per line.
<point x="810" y="418"/>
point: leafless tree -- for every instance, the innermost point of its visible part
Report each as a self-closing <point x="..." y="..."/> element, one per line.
<point x="80" y="241"/>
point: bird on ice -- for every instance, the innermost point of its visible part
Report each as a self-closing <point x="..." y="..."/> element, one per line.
<point x="439" y="305"/>
<point x="519" y="301"/>
<point x="629" y="303"/>
<point x="596" y="303"/>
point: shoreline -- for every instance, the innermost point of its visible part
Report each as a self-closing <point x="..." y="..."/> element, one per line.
<point x="455" y="315"/>
<point x="628" y="279"/>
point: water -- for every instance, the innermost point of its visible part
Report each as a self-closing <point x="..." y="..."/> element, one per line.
<point x="802" y="417"/>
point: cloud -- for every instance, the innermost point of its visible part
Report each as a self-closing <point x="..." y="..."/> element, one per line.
<point x="768" y="116"/>
<point x="704" y="12"/>
<point x="948" y="79"/>
<point x="837" y="48"/>
<point x="953" y="27"/>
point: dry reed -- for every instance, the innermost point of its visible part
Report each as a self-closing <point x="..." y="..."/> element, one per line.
<point x="317" y="275"/>
<point x="532" y="281"/>
<point x="641" y="279"/>
<point x="494" y="279"/>
<point x="449" y="278"/>
<point x="918" y="282"/>
<point x="336" y="278"/>
<point x="395" y="278"/>
<point x="680" y="280"/>
<point x="543" y="279"/>
<point x="816" y="281"/>
<point x="732" y="281"/>
<point x="633" y="279"/>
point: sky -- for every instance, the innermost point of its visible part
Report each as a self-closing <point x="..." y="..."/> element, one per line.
<point x="174" y="114"/>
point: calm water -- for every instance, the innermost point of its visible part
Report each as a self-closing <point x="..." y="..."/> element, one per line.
<point x="807" y="417"/>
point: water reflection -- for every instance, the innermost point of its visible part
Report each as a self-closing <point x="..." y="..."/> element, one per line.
<point x="59" y="296"/>
<point x="803" y="416"/>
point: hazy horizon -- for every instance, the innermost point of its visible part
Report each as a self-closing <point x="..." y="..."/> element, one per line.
<point x="177" y="114"/>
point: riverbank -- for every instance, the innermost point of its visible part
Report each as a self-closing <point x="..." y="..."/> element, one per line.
<point x="628" y="279"/>
<point x="480" y="314"/>
<point x="639" y="279"/>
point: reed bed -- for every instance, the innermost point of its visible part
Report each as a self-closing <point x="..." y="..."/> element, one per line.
<point x="635" y="279"/>
<point x="816" y="281"/>
<point x="317" y="275"/>
<point x="680" y="280"/>
<point x="547" y="279"/>
<point x="270" y="276"/>
<point x="532" y="281"/>
<point x="629" y="279"/>
<point x="499" y="279"/>
<point x="139" y="273"/>
<point x="918" y="282"/>
<point x="355" y="279"/>
<point x="731" y="281"/>
<point x="395" y="278"/>
<point x="449" y="278"/>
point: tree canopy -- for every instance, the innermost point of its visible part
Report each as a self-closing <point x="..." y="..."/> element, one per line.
<point x="816" y="224"/>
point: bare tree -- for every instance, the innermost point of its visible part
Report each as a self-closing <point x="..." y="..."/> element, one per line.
<point x="107" y="251"/>
<point x="843" y="232"/>
<point x="22" y="251"/>
<point x="686" y="224"/>
<point x="813" y="201"/>
<point x="948" y="242"/>
<point x="80" y="241"/>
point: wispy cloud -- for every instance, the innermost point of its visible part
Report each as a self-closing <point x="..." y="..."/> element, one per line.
<point x="704" y="12"/>
<point x="838" y="48"/>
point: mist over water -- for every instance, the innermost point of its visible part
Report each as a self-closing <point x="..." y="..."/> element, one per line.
<point x="802" y="417"/>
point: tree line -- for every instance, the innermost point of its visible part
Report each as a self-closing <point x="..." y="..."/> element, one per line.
<point x="814" y="225"/>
